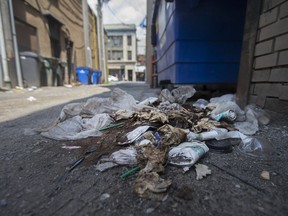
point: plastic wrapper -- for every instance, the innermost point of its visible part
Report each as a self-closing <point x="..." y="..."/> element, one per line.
<point x="124" y="156"/>
<point x="201" y="103"/>
<point x="133" y="135"/>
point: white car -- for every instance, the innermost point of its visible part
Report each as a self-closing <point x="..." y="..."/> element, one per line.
<point x="112" y="78"/>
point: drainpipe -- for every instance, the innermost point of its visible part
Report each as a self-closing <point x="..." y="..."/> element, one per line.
<point x="17" y="59"/>
<point x="86" y="33"/>
<point x="4" y="77"/>
<point x="101" y="46"/>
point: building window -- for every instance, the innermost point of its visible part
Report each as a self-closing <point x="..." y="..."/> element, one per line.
<point x="129" y="55"/>
<point x="129" y="40"/>
<point x="117" y="55"/>
<point x="109" y="55"/>
<point x="115" y="41"/>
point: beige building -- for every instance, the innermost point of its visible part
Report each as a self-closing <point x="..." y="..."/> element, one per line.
<point x="121" y="50"/>
<point x="55" y="30"/>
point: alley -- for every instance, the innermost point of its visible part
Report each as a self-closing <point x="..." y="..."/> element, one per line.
<point x="36" y="180"/>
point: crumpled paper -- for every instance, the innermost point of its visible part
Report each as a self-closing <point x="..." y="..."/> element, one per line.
<point x="151" y="186"/>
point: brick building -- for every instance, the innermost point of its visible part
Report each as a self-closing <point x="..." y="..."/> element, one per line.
<point x="54" y="30"/>
<point x="266" y="80"/>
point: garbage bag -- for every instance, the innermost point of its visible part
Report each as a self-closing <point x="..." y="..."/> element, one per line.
<point x="77" y="128"/>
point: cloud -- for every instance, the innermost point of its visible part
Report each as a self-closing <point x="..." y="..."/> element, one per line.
<point x="128" y="11"/>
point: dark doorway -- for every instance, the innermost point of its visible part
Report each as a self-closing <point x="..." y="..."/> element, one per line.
<point x="54" y="28"/>
<point x="69" y="51"/>
<point x="130" y="75"/>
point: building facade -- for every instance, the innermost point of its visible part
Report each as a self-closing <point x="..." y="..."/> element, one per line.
<point x="54" y="30"/>
<point x="121" y="51"/>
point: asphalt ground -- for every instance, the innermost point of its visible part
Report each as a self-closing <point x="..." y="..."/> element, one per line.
<point x="35" y="177"/>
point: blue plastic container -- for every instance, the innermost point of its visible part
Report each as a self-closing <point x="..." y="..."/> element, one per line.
<point x="94" y="77"/>
<point x="83" y="74"/>
<point x="99" y="77"/>
<point x="199" y="41"/>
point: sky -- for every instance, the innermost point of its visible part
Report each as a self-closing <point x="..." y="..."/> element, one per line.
<point x="128" y="12"/>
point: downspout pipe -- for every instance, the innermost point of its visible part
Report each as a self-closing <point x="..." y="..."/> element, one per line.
<point x="15" y="44"/>
<point x="86" y="33"/>
<point x="4" y="77"/>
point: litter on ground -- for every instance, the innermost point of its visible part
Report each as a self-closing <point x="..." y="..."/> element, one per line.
<point x="149" y="135"/>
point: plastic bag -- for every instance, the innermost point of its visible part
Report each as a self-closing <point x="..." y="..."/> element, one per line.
<point x="78" y="128"/>
<point x="257" y="147"/>
<point x="262" y="116"/>
<point x="166" y="95"/>
<point x="187" y="153"/>
<point x="250" y="126"/>
<point x="201" y="103"/>
<point x="222" y="107"/>
<point x="223" y="98"/>
<point x="124" y="156"/>
<point x="182" y="93"/>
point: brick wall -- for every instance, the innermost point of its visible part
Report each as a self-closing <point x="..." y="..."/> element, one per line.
<point x="269" y="84"/>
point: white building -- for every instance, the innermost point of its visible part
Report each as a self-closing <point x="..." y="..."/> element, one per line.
<point x="121" y="50"/>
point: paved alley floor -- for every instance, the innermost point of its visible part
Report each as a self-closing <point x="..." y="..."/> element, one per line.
<point x="35" y="177"/>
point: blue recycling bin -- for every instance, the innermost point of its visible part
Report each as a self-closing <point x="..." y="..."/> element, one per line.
<point x="99" y="77"/>
<point x="83" y="74"/>
<point x="94" y="77"/>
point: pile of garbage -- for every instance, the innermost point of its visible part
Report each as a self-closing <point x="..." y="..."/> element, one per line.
<point x="165" y="130"/>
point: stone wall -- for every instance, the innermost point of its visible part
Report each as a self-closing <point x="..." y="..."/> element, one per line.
<point x="269" y="82"/>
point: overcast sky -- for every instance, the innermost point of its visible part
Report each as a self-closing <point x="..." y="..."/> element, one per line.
<point x="125" y="11"/>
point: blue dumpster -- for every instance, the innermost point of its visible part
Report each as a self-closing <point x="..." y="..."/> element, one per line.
<point x="83" y="74"/>
<point x="199" y="41"/>
<point x="94" y="77"/>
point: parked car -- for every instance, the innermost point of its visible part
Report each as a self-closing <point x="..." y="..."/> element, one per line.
<point x="112" y="78"/>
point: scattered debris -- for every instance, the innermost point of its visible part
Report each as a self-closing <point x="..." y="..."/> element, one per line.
<point x="133" y="135"/>
<point x="31" y="99"/>
<point x="149" y="210"/>
<point x="265" y="175"/>
<point x="186" y="154"/>
<point x="104" y="196"/>
<point x="201" y="171"/>
<point x="130" y="172"/>
<point x="151" y="186"/>
<point x="70" y="147"/>
<point x="32" y="88"/>
<point x="101" y="167"/>
<point x="159" y="132"/>
<point x="185" y="193"/>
